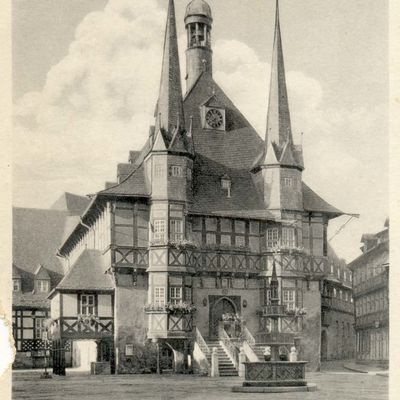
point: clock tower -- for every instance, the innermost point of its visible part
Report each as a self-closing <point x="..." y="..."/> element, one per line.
<point x="198" y="22"/>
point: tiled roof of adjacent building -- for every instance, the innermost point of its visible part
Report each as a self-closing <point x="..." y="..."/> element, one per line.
<point x="72" y="203"/>
<point x="87" y="273"/>
<point x="37" y="235"/>
<point x="27" y="297"/>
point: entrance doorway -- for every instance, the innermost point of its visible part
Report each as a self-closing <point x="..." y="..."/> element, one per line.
<point x="84" y="353"/>
<point x="219" y="307"/>
<point x="324" y="346"/>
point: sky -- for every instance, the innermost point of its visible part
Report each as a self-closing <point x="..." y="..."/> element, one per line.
<point x="86" y="76"/>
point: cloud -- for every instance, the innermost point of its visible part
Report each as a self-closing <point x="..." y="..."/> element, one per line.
<point x="98" y="102"/>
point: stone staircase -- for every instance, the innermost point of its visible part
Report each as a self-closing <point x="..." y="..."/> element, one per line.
<point x="226" y="366"/>
<point x="259" y="350"/>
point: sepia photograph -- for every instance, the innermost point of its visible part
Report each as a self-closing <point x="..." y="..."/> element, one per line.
<point x="200" y="199"/>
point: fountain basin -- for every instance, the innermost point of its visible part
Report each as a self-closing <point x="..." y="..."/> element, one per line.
<point x="275" y="376"/>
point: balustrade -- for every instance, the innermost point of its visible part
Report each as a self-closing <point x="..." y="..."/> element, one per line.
<point x="221" y="260"/>
<point x="229" y="345"/>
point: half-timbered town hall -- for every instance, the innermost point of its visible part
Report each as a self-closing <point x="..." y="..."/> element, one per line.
<point x="208" y="238"/>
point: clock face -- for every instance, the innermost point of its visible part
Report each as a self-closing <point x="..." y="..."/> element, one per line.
<point x="214" y="118"/>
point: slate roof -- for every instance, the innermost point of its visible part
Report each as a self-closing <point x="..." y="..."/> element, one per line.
<point x="315" y="203"/>
<point x="27" y="297"/>
<point x="16" y="272"/>
<point x="37" y="235"/>
<point x="134" y="185"/>
<point x="236" y="148"/>
<point x="87" y="274"/>
<point x="71" y="203"/>
<point x="31" y="300"/>
<point x="41" y="273"/>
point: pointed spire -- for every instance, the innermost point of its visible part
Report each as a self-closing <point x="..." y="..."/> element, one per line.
<point x="274" y="285"/>
<point x="170" y="105"/>
<point x="278" y="120"/>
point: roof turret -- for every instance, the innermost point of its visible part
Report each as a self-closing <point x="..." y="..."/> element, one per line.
<point x="198" y="7"/>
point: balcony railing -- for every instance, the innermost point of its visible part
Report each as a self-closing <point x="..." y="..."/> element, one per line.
<point x="376" y="282"/>
<point x="126" y="256"/>
<point x="376" y="319"/>
<point x="76" y="328"/>
<point x="273" y="310"/>
<point x="337" y="304"/>
<point x="215" y="259"/>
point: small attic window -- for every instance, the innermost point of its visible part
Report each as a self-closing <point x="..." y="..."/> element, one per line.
<point x="226" y="184"/>
<point x="43" y="286"/>
<point x="288" y="182"/>
<point x="176" y="171"/>
<point x="16" y="285"/>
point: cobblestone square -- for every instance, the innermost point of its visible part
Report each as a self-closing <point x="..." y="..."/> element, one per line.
<point x="331" y="386"/>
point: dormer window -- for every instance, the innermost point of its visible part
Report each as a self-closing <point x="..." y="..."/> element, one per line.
<point x="43" y="286"/>
<point x="226" y="184"/>
<point x="16" y="285"/>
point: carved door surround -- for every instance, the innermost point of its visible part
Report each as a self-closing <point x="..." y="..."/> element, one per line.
<point x="219" y="305"/>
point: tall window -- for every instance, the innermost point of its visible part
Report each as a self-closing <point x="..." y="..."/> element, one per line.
<point x="240" y="241"/>
<point x="188" y="294"/>
<point x="87" y="304"/>
<point x="175" y="294"/>
<point x="176" y="230"/>
<point x="39" y="328"/>
<point x="289" y="299"/>
<point x="272" y="237"/>
<point x="288" y="238"/>
<point x="268" y="297"/>
<point x="159" y="296"/>
<point x="159" y="230"/>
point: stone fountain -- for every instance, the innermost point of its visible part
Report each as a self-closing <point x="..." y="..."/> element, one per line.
<point x="279" y="372"/>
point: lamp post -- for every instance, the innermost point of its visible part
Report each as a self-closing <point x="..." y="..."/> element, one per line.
<point x="45" y="374"/>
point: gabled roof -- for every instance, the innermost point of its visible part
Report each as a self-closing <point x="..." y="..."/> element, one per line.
<point x="27" y="297"/>
<point x="87" y="274"/>
<point x="16" y="272"/>
<point x="41" y="273"/>
<point x="314" y="203"/>
<point x="72" y="203"/>
<point x="134" y="185"/>
<point x="236" y="148"/>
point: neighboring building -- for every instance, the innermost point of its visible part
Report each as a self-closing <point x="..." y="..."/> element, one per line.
<point x="337" y="318"/>
<point x="371" y="297"/>
<point x="37" y="235"/>
<point x="188" y="234"/>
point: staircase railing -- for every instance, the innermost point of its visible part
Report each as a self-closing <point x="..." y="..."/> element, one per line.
<point x="248" y="337"/>
<point x="228" y="346"/>
<point x="202" y="343"/>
